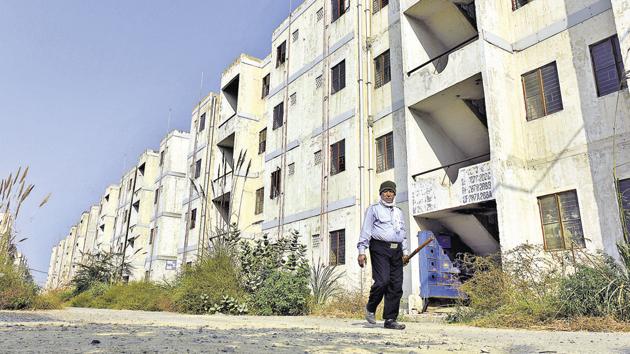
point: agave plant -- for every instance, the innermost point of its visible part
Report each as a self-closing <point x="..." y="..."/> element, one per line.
<point x="324" y="282"/>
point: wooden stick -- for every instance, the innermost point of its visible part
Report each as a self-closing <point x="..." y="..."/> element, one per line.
<point x="423" y="245"/>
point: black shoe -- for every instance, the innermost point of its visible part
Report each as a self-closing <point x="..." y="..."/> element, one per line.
<point x="392" y="324"/>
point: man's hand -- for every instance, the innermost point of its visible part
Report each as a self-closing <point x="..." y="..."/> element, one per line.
<point x="362" y="259"/>
<point x="405" y="259"/>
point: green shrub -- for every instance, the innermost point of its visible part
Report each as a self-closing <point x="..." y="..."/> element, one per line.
<point x="51" y="300"/>
<point x="103" y="267"/>
<point x="16" y="291"/>
<point x="204" y="284"/>
<point x="582" y="293"/>
<point x="282" y="293"/>
<point x="143" y="296"/>
<point x="276" y="275"/>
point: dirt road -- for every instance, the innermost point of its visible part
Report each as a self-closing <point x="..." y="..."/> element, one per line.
<point x="100" y="331"/>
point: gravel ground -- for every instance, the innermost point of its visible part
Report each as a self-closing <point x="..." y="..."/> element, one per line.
<point x="103" y="331"/>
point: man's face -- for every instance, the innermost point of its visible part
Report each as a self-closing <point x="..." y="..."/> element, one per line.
<point x="388" y="196"/>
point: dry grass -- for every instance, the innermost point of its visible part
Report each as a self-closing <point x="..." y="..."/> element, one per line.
<point x="345" y="304"/>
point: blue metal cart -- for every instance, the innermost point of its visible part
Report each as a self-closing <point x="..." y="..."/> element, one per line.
<point x="438" y="277"/>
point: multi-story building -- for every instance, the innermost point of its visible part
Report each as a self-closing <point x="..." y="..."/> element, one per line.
<point x="240" y="145"/>
<point x="134" y="214"/>
<point x="199" y="157"/>
<point x="520" y="116"/>
<point x="334" y="114"/>
<point x="91" y="229"/>
<point x="170" y="186"/>
<point x="108" y="208"/>
<point x="52" y="269"/>
<point x="502" y="122"/>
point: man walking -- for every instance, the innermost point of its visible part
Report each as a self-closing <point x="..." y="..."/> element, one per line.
<point x="383" y="233"/>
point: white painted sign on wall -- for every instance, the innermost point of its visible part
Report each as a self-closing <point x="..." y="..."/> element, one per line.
<point x="476" y="183"/>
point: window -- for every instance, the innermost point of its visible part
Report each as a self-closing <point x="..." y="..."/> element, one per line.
<point x="125" y="214"/>
<point x="107" y="198"/>
<point x="317" y="158"/>
<point x="157" y="196"/>
<point x="337" y="157"/>
<point x="162" y="158"/>
<point x="338" y="247"/>
<point x="141" y="169"/>
<point x="561" y="221"/>
<point x="130" y="185"/>
<point x="281" y="54"/>
<point x="542" y="91"/>
<point x="198" y="168"/>
<point x="519" y="3"/>
<point x="320" y="14"/>
<point x="291" y="168"/>
<point x="152" y="235"/>
<point x="624" y="194"/>
<point x="262" y="141"/>
<point x="608" y="66"/>
<point x="385" y="152"/>
<point x="265" y="85"/>
<point x="278" y="116"/>
<point x="202" y="122"/>
<point x="339" y="7"/>
<point x="275" y="184"/>
<point x="260" y="196"/>
<point x="293" y="98"/>
<point x="338" y="77"/>
<point x="319" y="81"/>
<point x="378" y="5"/>
<point x="382" y="70"/>
<point x="193" y="219"/>
<point x="296" y="35"/>
<point x="136" y="206"/>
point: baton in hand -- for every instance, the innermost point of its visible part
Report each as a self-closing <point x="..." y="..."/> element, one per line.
<point x="423" y="245"/>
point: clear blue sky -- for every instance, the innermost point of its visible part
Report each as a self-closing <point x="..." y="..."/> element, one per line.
<point x="86" y="85"/>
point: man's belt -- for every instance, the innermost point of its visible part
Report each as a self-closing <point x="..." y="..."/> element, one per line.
<point x="393" y="245"/>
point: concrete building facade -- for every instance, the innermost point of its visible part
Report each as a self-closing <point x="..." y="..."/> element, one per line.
<point x="170" y="186"/>
<point x="199" y="158"/>
<point x="502" y="122"/>
<point x="134" y="214"/>
<point x="506" y="106"/>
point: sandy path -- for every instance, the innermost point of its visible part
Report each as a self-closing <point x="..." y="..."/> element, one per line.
<point x="79" y="330"/>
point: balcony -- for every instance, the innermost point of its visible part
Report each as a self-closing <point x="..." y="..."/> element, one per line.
<point x="222" y="186"/>
<point x="433" y="190"/>
<point x="441" y="44"/>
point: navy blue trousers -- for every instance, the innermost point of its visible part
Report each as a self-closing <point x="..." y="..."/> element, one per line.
<point x="387" y="273"/>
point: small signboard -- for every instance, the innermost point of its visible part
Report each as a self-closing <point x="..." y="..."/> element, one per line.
<point x="171" y="265"/>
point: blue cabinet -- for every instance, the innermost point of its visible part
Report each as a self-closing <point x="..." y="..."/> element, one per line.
<point x="438" y="277"/>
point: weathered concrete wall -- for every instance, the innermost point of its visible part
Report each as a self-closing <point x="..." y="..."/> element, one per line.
<point x="170" y="186"/>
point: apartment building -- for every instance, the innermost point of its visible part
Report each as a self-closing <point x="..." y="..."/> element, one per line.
<point x="502" y="122"/>
<point x="520" y="115"/>
<point x="52" y="270"/>
<point x="334" y="114"/>
<point x="134" y="214"/>
<point x="170" y="186"/>
<point x="198" y="161"/>
<point x="108" y="207"/>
